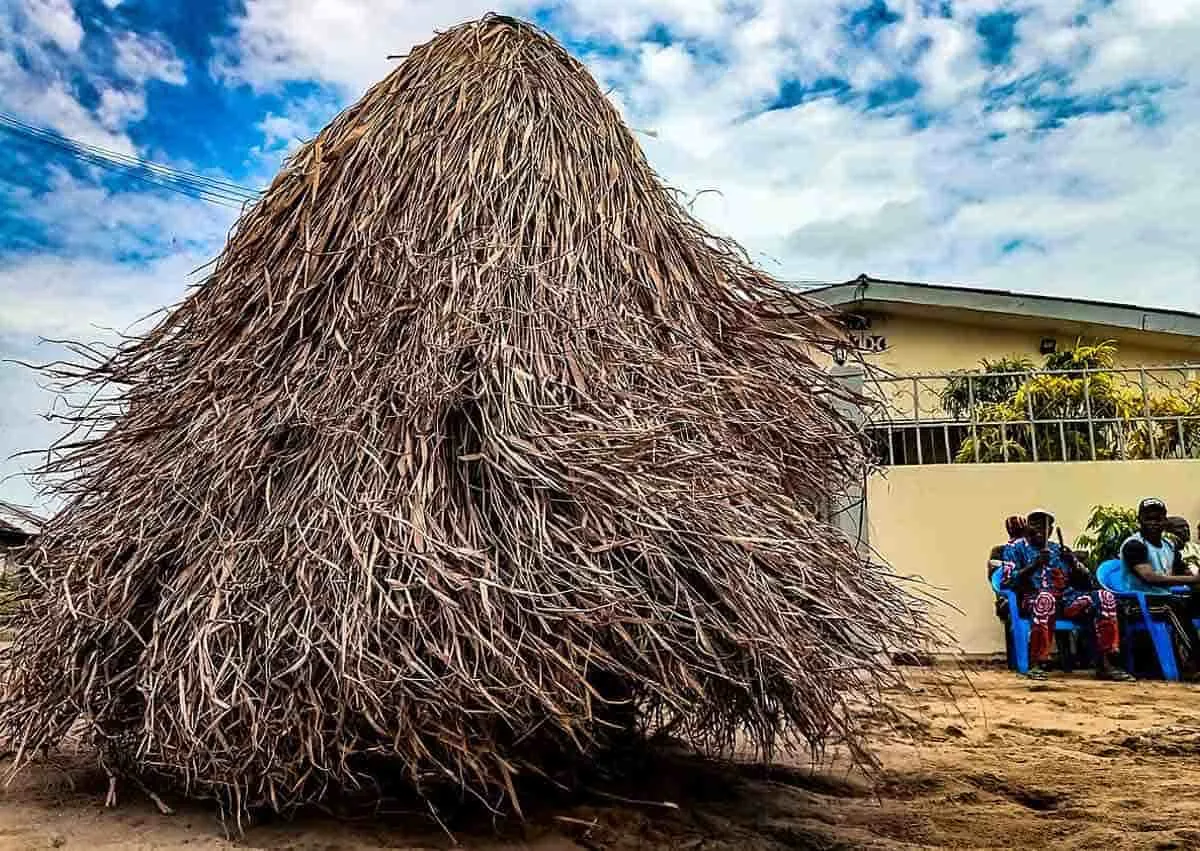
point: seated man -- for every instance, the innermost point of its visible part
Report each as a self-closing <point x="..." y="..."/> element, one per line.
<point x="1179" y="532"/>
<point x="1014" y="527"/>
<point x="1153" y="566"/>
<point x="1152" y="563"/>
<point x="1051" y="582"/>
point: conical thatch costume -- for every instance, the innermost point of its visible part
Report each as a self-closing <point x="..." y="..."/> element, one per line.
<point x="471" y="432"/>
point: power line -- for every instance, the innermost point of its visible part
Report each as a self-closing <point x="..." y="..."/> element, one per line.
<point x="102" y="156"/>
<point x="197" y="186"/>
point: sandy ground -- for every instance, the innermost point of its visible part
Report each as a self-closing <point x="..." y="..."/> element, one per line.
<point x="1068" y="764"/>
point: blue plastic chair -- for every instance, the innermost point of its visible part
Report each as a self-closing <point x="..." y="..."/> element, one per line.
<point x="1018" y="627"/>
<point x="1144" y="622"/>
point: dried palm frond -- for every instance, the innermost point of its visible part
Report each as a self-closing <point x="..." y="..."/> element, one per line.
<point x="472" y="448"/>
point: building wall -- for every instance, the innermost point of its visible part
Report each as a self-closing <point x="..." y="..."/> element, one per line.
<point x="941" y="521"/>
<point x="925" y="345"/>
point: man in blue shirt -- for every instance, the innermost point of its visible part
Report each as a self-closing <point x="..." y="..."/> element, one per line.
<point x="1051" y="582"/>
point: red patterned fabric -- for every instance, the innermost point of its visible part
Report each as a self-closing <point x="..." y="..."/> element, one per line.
<point x="1096" y="607"/>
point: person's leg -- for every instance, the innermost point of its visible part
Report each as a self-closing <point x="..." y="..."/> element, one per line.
<point x="1186" y="608"/>
<point x="1098" y="609"/>
<point x="1191" y="607"/>
<point x="1042" y="607"/>
<point x="1078" y="606"/>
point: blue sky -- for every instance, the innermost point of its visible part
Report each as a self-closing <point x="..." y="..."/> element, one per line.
<point x="1045" y="145"/>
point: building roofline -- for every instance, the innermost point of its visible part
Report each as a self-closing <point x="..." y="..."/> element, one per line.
<point x="20" y="520"/>
<point x="11" y="538"/>
<point x="865" y="289"/>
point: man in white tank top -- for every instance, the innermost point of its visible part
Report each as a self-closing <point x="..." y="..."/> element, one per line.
<point x="1152" y="564"/>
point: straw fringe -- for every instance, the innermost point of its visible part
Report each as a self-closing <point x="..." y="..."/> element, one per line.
<point x="471" y="434"/>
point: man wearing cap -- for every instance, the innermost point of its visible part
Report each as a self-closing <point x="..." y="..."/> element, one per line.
<point x="1152" y="563"/>
<point x="1153" y="566"/>
<point x="1051" y="583"/>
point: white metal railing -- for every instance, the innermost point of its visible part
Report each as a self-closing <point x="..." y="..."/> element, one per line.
<point x="1117" y="413"/>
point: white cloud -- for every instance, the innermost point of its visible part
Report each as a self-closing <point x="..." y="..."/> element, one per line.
<point x="40" y="88"/>
<point x="299" y="120"/>
<point x="951" y="68"/>
<point x="852" y="236"/>
<point x="86" y="300"/>
<point x="37" y="89"/>
<point x="342" y="42"/>
<point x="1164" y="14"/>
<point x="1013" y="119"/>
<point x="22" y="427"/>
<point x="1113" y="227"/>
<point x="143" y="58"/>
<point x="284" y="131"/>
<point x="119" y="108"/>
<point x="82" y="289"/>
<point x="46" y="102"/>
<point x="626" y="20"/>
<point x="86" y="221"/>
<point x="85" y="294"/>
<point x="825" y="191"/>
<point x="282" y="128"/>
<point x="666" y="67"/>
<point x="57" y="21"/>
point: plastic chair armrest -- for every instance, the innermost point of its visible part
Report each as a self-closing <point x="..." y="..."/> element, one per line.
<point x="1128" y="595"/>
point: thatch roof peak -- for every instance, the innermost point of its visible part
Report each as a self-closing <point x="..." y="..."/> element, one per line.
<point x="491" y="158"/>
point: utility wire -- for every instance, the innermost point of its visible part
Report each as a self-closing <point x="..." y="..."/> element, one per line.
<point x="124" y="161"/>
<point x="198" y="186"/>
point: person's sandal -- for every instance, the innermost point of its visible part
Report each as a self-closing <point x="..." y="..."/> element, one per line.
<point x="1116" y="675"/>
<point x="1035" y="673"/>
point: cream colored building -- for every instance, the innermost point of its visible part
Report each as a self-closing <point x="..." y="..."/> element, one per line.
<point x="931" y="517"/>
<point x="912" y="328"/>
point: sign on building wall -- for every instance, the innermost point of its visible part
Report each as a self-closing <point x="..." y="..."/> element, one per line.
<point x="868" y="338"/>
